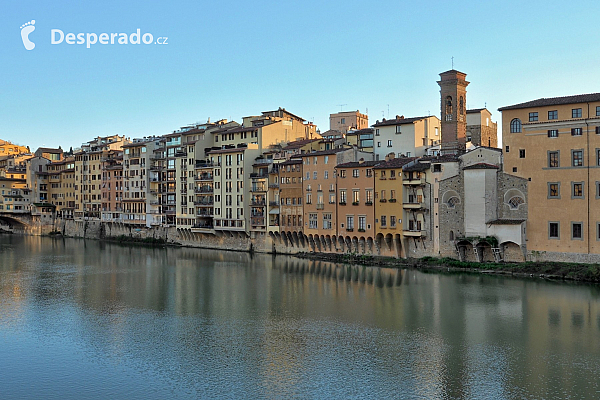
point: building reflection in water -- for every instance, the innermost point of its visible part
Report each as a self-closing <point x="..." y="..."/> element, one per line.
<point x="216" y="322"/>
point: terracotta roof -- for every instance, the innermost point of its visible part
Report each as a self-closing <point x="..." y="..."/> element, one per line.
<point x="299" y="143"/>
<point x="441" y="159"/>
<point x="482" y="166"/>
<point x="395" y="163"/>
<point x="555" y="101"/>
<point x="49" y="150"/>
<point x="417" y="167"/>
<point x="355" y="164"/>
<point x="360" y="132"/>
<point x="398" y="121"/>
<point x="506" y="222"/>
<point x="232" y="150"/>
<point x="284" y="110"/>
<point x="292" y="162"/>
<point x="476" y="110"/>
<point x="323" y="152"/>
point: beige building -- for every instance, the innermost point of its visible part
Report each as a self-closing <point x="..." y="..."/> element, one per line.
<point x="9" y="149"/>
<point x="481" y="130"/>
<point x="348" y="120"/>
<point x="554" y="143"/>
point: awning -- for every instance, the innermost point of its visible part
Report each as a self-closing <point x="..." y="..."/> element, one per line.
<point x="274" y="211"/>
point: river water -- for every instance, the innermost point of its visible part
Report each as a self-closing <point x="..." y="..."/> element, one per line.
<point x="93" y="320"/>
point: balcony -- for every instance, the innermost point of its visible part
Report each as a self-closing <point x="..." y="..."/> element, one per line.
<point x="205" y="213"/>
<point x="204" y="177"/>
<point x="257" y="221"/>
<point x="392" y="200"/>
<point x="257" y="202"/>
<point x="342" y="203"/>
<point x="320" y="206"/>
<point x="413" y="206"/>
<point x="258" y="188"/>
<point x="273" y="186"/>
<point x="413" y="233"/>
<point x="229" y="224"/>
<point x="368" y="203"/>
<point x="413" y="180"/>
<point x="204" y="203"/>
<point x="273" y="204"/>
<point x="204" y="189"/>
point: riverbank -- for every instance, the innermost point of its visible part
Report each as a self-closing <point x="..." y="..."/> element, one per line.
<point x="589" y="273"/>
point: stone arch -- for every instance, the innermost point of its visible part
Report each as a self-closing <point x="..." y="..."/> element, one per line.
<point x="465" y="251"/>
<point x="379" y="242"/>
<point x="296" y="239"/>
<point x="484" y="252"/>
<point x="328" y="242"/>
<point x="348" y="242"/>
<point x="362" y="245"/>
<point x="450" y="198"/>
<point x="512" y="252"/>
<point x="370" y="246"/>
<point x="342" y="243"/>
<point x="334" y="242"/>
<point x="389" y="241"/>
<point x="451" y="237"/>
<point x="284" y="238"/>
<point x="354" y="244"/>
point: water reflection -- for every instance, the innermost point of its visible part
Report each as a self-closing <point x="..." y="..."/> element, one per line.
<point x="187" y="322"/>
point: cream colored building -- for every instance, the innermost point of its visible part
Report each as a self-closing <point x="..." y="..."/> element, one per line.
<point x="554" y="143"/>
<point x="348" y="120"/>
<point x="405" y="137"/>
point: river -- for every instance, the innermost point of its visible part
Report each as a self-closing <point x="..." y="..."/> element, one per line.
<point x="84" y="319"/>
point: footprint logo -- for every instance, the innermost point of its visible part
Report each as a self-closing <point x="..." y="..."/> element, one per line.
<point x="26" y="29"/>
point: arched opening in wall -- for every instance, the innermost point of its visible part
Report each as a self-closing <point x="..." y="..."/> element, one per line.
<point x="355" y="244"/>
<point x="451" y="235"/>
<point x="389" y="241"/>
<point x="348" y="242"/>
<point x="301" y="237"/>
<point x="379" y="242"/>
<point x="323" y="243"/>
<point x="514" y="198"/>
<point x="284" y="238"/>
<point x="328" y="242"/>
<point x="515" y="125"/>
<point x="306" y="242"/>
<point x="398" y="245"/>
<point x="450" y="198"/>
<point x="370" y="248"/>
<point x="342" y="243"/>
<point x="465" y="251"/>
<point x="296" y="239"/>
<point x="290" y="238"/>
<point x="334" y="243"/>
<point x="512" y="252"/>
<point x="362" y="245"/>
<point x="484" y="250"/>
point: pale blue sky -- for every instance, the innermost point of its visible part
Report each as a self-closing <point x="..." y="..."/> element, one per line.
<point x="227" y="59"/>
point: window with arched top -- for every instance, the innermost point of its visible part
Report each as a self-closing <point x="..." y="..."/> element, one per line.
<point x="515" y="126"/>
<point x="452" y="201"/>
<point x="451" y="235"/>
<point x="514" y="202"/>
<point x="449" y="105"/>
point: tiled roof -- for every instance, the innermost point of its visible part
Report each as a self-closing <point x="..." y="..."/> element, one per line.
<point x="441" y="159"/>
<point x="416" y="167"/>
<point x="476" y="110"/>
<point x="506" y="222"/>
<point x="49" y="150"/>
<point x="292" y="162"/>
<point x="323" y="152"/>
<point x="482" y="166"/>
<point x="360" y="132"/>
<point x="398" y="121"/>
<point x="299" y="143"/>
<point x="555" y="101"/>
<point x="355" y="164"/>
<point x="395" y="163"/>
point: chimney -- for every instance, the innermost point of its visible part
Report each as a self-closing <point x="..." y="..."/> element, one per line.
<point x="361" y="161"/>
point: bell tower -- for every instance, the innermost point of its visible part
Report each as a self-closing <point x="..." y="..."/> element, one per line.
<point x="453" y="93"/>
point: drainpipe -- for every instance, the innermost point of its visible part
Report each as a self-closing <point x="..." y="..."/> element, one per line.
<point x="587" y="130"/>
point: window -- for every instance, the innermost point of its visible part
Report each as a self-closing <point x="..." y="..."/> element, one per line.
<point x="378" y="144"/>
<point x="597" y="111"/>
<point x="369" y="173"/>
<point x="507" y="149"/>
<point x="554" y="190"/>
<point x="553" y="230"/>
<point x="309" y="198"/>
<point x="312" y="221"/>
<point x="308" y="176"/>
<point x="342" y="173"/>
<point x="343" y="196"/>
<point x="553" y="133"/>
<point x="376" y="132"/>
<point x="369" y="196"/>
<point x="576" y="131"/>
<point x="577" y="156"/>
<point x="389" y="143"/>
<point x="326" y="220"/>
<point x="521" y="153"/>
<point x="577" y="190"/>
<point x="598" y="130"/>
<point x="553" y="114"/>
<point x="349" y="222"/>
<point x="576" y="113"/>
<point x="533" y="116"/>
<point x="392" y="221"/>
<point x="515" y="126"/>
<point x="355" y="173"/>
<point x="383" y="221"/>
<point x="515" y="201"/>
<point x="362" y="223"/>
<point x="577" y="230"/>
<point x="355" y="196"/>
<point x="326" y="160"/>
<point x="553" y="159"/>
<point x="326" y="174"/>
<point x="398" y="130"/>
<point x="514" y="169"/>
<point x="332" y="198"/>
<point x="315" y="174"/>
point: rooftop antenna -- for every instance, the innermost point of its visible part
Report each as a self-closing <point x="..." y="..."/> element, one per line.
<point x="367" y="111"/>
<point x="388" y="111"/>
<point x="452" y="62"/>
<point x="485" y="104"/>
<point x="341" y="105"/>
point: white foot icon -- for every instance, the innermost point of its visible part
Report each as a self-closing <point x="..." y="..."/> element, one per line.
<point x="26" y="29"/>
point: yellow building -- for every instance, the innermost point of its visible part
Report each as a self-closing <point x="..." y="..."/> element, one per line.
<point x="8" y="148"/>
<point x="555" y="144"/>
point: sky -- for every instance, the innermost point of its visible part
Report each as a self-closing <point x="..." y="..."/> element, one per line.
<point x="230" y="59"/>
